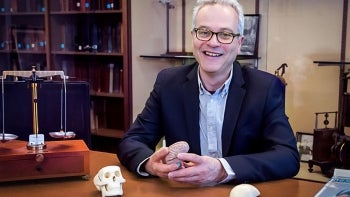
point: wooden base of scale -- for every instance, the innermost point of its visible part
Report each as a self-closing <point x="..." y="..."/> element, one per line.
<point x="64" y="158"/>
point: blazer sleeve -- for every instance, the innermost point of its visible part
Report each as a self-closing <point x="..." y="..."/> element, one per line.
<point x="164" y="115"/>
<point x="139" y="142"/>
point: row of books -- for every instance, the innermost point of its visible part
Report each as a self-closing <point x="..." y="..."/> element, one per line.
<point x="24" y="61"/>
<point x="10" y="6"/>
<point x="108" y="42"/>
<point x="98" y="117"/>
<point x="91" y="37"/>
<point x="106" y="78"/>
<point x="105" y="115"/>
<point x="88" y="5"/>
<point x="93" y="118"/>
<point x="31" y="39"/>
<point x="13" y="6"/>
<point x="103" y="78"/>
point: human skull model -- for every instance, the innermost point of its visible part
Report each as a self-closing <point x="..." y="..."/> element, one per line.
<point x="109" y="181"/>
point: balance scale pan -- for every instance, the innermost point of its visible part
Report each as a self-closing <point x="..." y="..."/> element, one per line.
<point x="62" y="134"/>
<point x="4" y="137"/>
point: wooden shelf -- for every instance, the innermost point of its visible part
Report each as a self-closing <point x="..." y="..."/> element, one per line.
<point x="23" y="52"/>
<point x="22" y="13"/>
<point x="106" y="94"/>
<point x="87" y="12"/>
<point x="86" y="53"/>
<point x="113" y="133"/>
<point x="331" y="63"/>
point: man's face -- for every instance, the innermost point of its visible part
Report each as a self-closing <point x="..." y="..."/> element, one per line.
<point x="213" y="56"/>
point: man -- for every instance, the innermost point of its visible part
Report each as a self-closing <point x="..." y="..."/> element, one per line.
<point x="232" y="117"/>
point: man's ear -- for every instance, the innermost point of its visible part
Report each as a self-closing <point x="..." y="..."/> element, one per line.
<point x="240" y="40"/>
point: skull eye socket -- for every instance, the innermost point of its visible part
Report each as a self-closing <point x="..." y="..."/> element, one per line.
<point x="117" y="173"/>
<point x="107" y="175"/>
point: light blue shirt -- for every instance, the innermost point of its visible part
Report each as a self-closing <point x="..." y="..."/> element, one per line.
<point x="211" y="117"/>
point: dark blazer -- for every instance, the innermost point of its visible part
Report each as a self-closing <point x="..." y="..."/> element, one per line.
<point x="257" y="139"/>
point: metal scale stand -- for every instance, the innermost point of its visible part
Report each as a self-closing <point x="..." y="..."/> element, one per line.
<point x="38" y="159"/>
<point x="36" y="140"/>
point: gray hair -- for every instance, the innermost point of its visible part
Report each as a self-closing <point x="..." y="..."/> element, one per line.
<point x="233" y="3"/>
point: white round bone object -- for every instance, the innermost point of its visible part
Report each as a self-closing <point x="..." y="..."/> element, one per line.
<point x="244" y="190"/>
<point x="109" y="181"/>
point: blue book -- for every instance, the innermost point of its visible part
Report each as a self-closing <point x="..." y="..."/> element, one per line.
<point x="338" y="185"/>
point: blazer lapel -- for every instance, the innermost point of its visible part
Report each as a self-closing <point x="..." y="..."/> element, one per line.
<point x="233" y="105"/>
<point x="191" y="102"/>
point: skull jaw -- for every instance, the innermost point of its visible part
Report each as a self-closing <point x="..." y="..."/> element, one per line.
<point x="112" y="190"/>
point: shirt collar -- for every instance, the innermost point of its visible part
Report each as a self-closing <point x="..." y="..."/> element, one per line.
<point x="222" y="91"/>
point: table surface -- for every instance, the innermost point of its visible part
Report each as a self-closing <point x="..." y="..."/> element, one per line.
<point x="315" y="175"/>
<point x="136" y="186"/>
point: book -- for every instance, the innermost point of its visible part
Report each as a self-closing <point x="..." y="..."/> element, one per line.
<point x="63" y="5"/>
<point x="13" y="7"/>
<point x="111" y="76"/>
<point x="114" y="78"/>
<point x="338" y="185"/>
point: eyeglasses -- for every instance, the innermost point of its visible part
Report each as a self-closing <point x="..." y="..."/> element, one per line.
<point x="206" y="34"/>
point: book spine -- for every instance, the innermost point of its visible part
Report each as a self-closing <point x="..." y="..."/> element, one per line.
<point x="117" y="81"/>
<point x="111" y="76"/>
<point x="13" y="7"/>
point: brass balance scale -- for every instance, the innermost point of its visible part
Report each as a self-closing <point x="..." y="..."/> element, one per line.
<point x="39" y="159"/>
<point x="36" y="140"/>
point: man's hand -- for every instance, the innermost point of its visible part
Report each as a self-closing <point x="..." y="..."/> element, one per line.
<point x="156" y="165"/>
<point x="200" y="170"/>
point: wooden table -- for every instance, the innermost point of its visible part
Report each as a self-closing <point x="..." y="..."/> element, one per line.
<point x="136" y="186"/>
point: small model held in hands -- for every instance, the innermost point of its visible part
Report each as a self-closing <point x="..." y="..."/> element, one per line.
<point x="174" y="150"/>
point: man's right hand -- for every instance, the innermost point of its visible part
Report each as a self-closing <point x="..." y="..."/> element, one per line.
<point x="156" y="165"/>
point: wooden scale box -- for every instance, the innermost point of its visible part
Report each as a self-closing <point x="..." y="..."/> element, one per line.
<point x="27" y="155"/>
<point x="59" y="159"/>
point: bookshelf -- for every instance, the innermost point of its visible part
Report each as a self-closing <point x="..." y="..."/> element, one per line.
<point x="88" y="39"/>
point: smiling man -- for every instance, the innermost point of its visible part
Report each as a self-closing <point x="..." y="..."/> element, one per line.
<point x="232" y="117"/>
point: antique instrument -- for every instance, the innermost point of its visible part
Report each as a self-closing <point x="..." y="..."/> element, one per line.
<point x="36" y="141"/>
<point x="39" y="159"/>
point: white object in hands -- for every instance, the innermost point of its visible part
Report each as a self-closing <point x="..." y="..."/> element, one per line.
<point x="244" y="190"/>
<point x="109" y="181"/>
